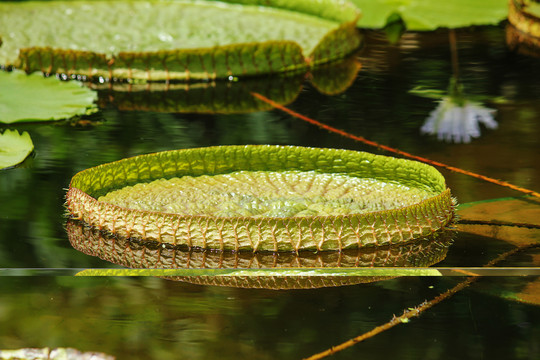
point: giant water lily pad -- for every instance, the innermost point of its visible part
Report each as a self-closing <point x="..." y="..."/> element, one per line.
<point x="28" y="98"/>
<point x="423" y="15"/>
<point x="162" y="40"/>
<point x="303" y="188"/>
<point x="14" y="148"/>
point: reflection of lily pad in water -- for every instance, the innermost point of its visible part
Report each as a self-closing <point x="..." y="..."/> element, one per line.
<point x="149" y="255"/>
<point x="161" y="40"/>
<point x="14" y="148"/>
<point x="26" y="98"/>
<point x="224" y="97"/>
<point x="374" y="228"/>
<point x="218" y="97"/>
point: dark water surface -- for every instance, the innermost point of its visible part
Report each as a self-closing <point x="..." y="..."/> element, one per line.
<point x="153" y="318"/>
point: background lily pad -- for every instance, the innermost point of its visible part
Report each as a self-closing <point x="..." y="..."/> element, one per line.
<point x="161" y="40"/>
<point x="503" y="213"/>
<point x="14" y="147"/>
<point x="426" y="15"/>
<point x="35" y="98"/>
<point x="516" y="221"/>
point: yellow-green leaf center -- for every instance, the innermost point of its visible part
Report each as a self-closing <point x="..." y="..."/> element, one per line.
<point x="266" y="193"/>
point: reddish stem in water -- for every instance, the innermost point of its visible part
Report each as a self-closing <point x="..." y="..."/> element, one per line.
<point x="390" y="149"/>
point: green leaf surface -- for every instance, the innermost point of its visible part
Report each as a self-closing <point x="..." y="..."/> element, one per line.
<point x="14" y="148"/>
<point x="266" y="194"/>
<point x="28" y="98"/>
<point x="158" y="40"/>
<point x="423" y="15"/>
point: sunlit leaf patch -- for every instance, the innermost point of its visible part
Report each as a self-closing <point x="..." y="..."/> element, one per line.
<point x="175" y="40"/>
<point x="30" y="98"/>
<point x="14" y="148"/>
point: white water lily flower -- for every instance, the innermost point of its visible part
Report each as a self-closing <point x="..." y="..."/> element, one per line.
<point x="458" y="120"/>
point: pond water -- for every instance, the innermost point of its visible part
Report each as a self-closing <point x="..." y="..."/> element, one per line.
<point x="154" y="318"/>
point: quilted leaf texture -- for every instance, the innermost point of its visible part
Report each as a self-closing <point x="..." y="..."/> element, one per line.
<point x="381" y="227"/>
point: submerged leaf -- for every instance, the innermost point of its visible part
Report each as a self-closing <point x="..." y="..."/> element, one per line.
<point x="162" y="40"/>
<point x="517" y="222"/>
<point x="14" y="148"/>
<point x="422" y="15"/>
<point x="524" y="289"/>
<point x="505" y="219"/>
<point x="35" y="98"/>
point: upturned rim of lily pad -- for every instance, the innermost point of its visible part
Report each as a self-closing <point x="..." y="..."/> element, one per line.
<point x="330" y="232"/>
<point x="222" y="61"/>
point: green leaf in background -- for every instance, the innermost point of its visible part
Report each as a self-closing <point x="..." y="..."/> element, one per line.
<point x="424" y="15"/>
<point x="14" y="148"/>
<point x="26" y="98"/>
<point x="181" y="40"/>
